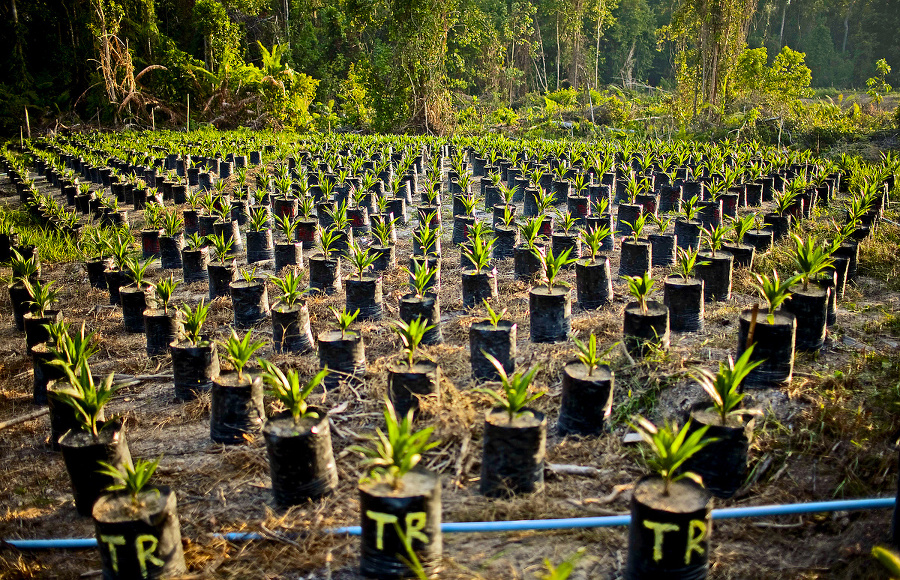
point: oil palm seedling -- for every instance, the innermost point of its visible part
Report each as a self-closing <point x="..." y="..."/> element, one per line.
<point x="514" y="435"/>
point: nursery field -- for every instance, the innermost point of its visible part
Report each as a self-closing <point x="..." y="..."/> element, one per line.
<point x="829" y="431"/>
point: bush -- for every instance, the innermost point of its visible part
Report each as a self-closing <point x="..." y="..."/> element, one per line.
<point x="564" y="97"/>
<point x="504" y="116"/>
<point x="608" y="109"/>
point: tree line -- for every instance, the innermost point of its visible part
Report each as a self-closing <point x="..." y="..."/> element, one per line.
<point x="407" y="64"/>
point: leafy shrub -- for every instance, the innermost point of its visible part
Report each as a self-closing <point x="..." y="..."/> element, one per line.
<point x="564" y="97"/>
<point x="504" y="116"/>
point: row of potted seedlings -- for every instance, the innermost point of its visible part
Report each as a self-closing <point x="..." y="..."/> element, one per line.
<point x="551" y="268"/>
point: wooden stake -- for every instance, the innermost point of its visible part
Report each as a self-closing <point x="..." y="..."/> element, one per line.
<point x="752" y="330"/>
<point x="153" y="118"/>
<point x="28" y="123"/>
<point x="187" y="129"/>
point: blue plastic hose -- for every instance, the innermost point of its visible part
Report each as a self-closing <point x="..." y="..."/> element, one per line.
<point x="532" y="525"/>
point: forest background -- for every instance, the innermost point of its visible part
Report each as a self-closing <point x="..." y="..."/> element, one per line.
<point x="810" y="72"/>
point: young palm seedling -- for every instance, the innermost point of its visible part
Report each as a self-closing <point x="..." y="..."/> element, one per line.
<point x="164" y="290"/>
<point x="513" y="395"/>
<point x="411" y="335"/>
<point x="85" y="397"/>
<point x="670" y="447"/>
<point x="420" y="278"/>
<point x="43" y="296"/>
<point x="479" y="251"/>
<point x="192" y="320"/>
<point x="221" y="245"/>
<point x="514" y="436"/>
<point x="361" y="258"/>
<point x="344" y="319"/>
<point x="685" y="262"/>
<point x="397" y="451"/>
<point x="290" y="287"/>
<point x="810" y="257"/>
<point x="724" y="387"/>
<point x="286" y="388"/>
<point x="715" y="237"/>
<point x="637" y="226"/>
<point x="130" y="479"/>
<point x="773" y="290"/>
<point x="553" y="265"/>
<point x="286" y="225"/>
<point x="427" y="238"/>
<point x="589" y="356"/>
<point x="640" y="287"/>
<point x="238" y="351"/>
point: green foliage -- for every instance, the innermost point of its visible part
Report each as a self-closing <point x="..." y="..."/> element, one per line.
<point x="132" y="479"/>
<point x="85" y="397"/>
<point x="786" y="80"/>
<point x="686" y="261"/>
<point x="22" y="268"/>
<point x="877" y="85"/>
<point x="344" y="319"/>
<point x="43" y="295"/>
<point x="479" y="252"/>
<point x="164" y="290"/>
<point x="69" y="350"/>
<point x="291" y="293"/>
<point x="773" y="290"/>
<point x="640" y="287"/>
<point x="671" y="447"/>
<point x="137" y="270"/>
<point x="396" y="452"/>
<point x="286" y="388"/>
<point x="411" y="334"/>
<point x="514" y="395"/>
<point x="552" y="265"/>
<point x="564" y="569"/>
<point x="192" y="320"/>
<point x="715" y="237"/>
<point x="493" y="317"/>
<point x="420" y="276"/>
<point x="637" y="228"/>
<point x="588" y="355"/>
<point x="724" y="387"/>
<point x="239" y="350"/>
<point x="592" y="238"/>
<point x="810" y="257"/>
<point x="221" y="244"/>
<point x="361" y="258"/>
<point x="530" y="230"/>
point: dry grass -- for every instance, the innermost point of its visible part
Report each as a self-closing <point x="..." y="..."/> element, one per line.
<point x="826" y="435"/>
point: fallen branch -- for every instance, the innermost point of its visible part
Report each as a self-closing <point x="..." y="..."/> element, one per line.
<point x="24" y="418"/>
<point x="584" y="470"/>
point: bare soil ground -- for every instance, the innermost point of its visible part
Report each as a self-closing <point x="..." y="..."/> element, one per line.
<point x="830" y="434"/>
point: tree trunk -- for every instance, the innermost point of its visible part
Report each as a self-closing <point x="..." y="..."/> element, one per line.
<point x="781" y="34"/>
<point x="542" y="80"/>
<point x="558" y="53"/>
<point x="597" y="53"/>
<point x="512" y="61"/>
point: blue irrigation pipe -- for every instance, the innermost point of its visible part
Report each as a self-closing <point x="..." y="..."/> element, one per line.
<point x="535" y="525"/>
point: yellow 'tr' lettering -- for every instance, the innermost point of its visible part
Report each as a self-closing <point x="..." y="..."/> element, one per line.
<point x="415" y="523"/>
<point x="658" y="530"/>
<point x="112" y="542"/>
<point x="145" y="554"/>
<point x="694" y="540"/>
<point x="381" y="519"/>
